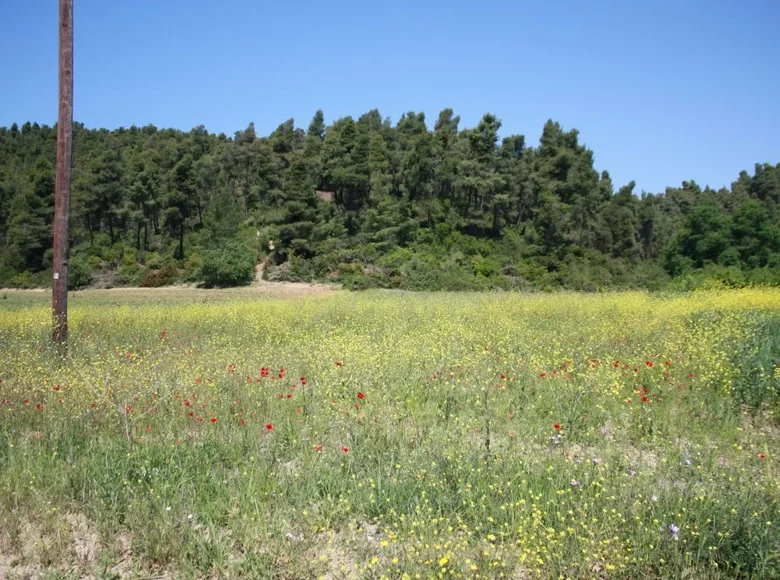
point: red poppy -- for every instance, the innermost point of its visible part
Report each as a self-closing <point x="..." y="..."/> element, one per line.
<point x="263" y="372"/>
<point x="38" y="406"/>
<point x="243" y="421"/>
<point x="232" y="369"/>
<point x="56" y="387"/>
<point x="345" y="449"/>
<point x="318" y="448"/>
<point x="339" y="363"/>
<point x="542" y="375"/>
<point x="148" y="428"/>
<point x="199" y="380"/>
<point x="269" y="427"/>
<point x="213" y="420"/>
<point x="186" y="403"/>
<point x="649" y="364"/>
<point x="190" y="414"/>
<point x="761" y="456"/>
<point x="289" y="395"/>
<point x="556" y="427"/>
<point x="281" y="373"/>
<point x="692" y="375"/>
<point x="361" y="396"/>
<point x="200" y="419"/>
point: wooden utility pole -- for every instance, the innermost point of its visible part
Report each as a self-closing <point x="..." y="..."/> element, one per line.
<point x="59" y="285"/>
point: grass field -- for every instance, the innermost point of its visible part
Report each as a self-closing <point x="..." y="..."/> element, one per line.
<point x="389" y="435"/>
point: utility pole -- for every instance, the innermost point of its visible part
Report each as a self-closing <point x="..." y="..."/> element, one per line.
<point x="59" y="285"/>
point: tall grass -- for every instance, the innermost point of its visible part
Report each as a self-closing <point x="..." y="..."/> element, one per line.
<point x="383" y="435"/>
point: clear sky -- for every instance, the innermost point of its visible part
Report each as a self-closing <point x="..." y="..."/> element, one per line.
<point x="662" y="91"/>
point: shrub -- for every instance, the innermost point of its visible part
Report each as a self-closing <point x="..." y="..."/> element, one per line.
<point x="79" y="272"/>
<point x="153" y="260"/>
<point x="6" y="274"/>
<point x="192" y="268"/>
<point x="24" y="280"/>
<point x="232" y="264"/>
<point x="355" y="277"/>
<point x="165" y="276"/>
<point x="128" y="274"/>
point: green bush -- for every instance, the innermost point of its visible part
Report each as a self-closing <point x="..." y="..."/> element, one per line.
<point x="24" y="280"/>
<point x="232" y="264"/>
<point x="28" y="280"/>
<point x="355" y="277"/>
<point x="153" y="260"/>
<point x="79" y="272"/>
<point x="164" y="276"/>
<point x="486" y="267"/>
<point x="6" y="274"/>
<point x="192" y="268"/>
<point x="300" y="270"/>
<point x="128" y="274"/>
<point x="113" y="256"/>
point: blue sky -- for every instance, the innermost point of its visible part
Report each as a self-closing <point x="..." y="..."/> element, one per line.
<point x="662" y="91"/>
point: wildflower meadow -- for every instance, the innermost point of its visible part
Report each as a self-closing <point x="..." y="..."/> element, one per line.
<point x="392" y="435"/>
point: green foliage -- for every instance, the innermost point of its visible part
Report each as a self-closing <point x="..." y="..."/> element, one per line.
<point x="128" y="275"/>
<point x="27" y="280"/>
<point x="192" y="268"/>
<point x="232" y="264"/>
<point x="478" y="429"/>
<point x="371" y="203"/>
<point x="79" y="272"/>
<point x="166" y="274"/>
<point x="355" y="277"/>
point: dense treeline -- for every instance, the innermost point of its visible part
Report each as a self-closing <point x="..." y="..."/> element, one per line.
<point x="368" y="203"/>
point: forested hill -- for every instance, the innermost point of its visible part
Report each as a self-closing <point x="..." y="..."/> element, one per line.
<point x="372" y="204"/>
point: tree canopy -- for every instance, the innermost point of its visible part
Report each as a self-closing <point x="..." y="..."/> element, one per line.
<point x="370" y="203"/>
